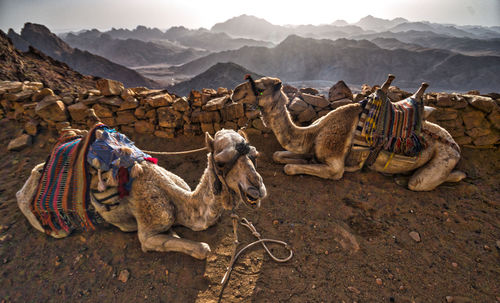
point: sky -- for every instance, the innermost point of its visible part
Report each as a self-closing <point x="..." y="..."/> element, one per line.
<point x="72" y="15"/>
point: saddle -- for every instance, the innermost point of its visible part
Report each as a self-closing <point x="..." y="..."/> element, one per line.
<point x="392" y="128"/>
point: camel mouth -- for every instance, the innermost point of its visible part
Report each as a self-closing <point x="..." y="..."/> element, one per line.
<point x="248" y="198"/>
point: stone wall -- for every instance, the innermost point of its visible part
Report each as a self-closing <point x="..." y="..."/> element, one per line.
<point x="472" y="120"/>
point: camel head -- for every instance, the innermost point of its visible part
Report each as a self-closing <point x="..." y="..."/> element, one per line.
<point x="260" y="92"/>
<point x="234" y="164"/>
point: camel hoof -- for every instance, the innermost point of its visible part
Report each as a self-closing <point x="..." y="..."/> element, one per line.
<point x="456" y="176"/>
<point x="203" y="252"/>
<point x="288" y="169"/>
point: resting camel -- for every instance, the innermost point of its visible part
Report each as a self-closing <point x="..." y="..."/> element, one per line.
<point x="160" y="199"/>
<point x="321" y="148"/>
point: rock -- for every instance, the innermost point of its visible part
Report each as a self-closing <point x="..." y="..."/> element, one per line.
<point x="11" y="87"/>
<point x="52" y="109"/>
<point x="230" y="125"/>
<point x="20" y="142"/>
<point x="340" y="91"/>
<point x="125" y="117"/>
<point x="62" y="125"/>
<point x="258" y="124"/>
<point x="243" y="121"/>
<point x="444" y="100"/>
<point x="144" y="127"/>
<point x="288" y="89"/>
<point x="207" y="128"/>
<point x="497" y="243"/>
<point x="39" y="95"/>
<point x="309" y="90"/>
<point x="232" y="111"/>
<point x="181" y="104"/>
<point x="492" y="138"/>
<point x="378" y="281"/>
<point x="353" y="290"/>
<point x="90" y="100"/>
<point x="460" y="102"/>
<point x="129" y="102"/>
<point x="253" y="132"/>
<point x="140" y="112"/>
<point x="78" y="111"/>
<point x="473" y="119"/>
<point x="168" y="117"/>
<point x="323" y="113"/>
<point x="442" y="114"/>
<point x="297" y="105"/>
<point x="195" y="98"/>
<point x="252" y="114"/>
<point x="205" y="117"/>
<point x="124" y="275"/>
<point x="307" y="115"/>
<point x="151" y="115"/>
<point x="102" y="111"/>
<point x="463" y="140"/>
<point x="110" y="87"/>
<point x="358" y="97"/>
<point x="31" y="128"/>
<point x="159" y="100"/>
<point x="485" y="104"/>
<point x="167" y="133"/>
<point x="215" y="104"/>
<point x="192" y="129"/>
<point x="5" y="238"/>
<point x="478" y="132"/>
<point x="415" y="236"/>
<point x="473" y="92"/>
<point x="113" y="101"/>
<point x="458" y="299"/>
<point x="339" y="103"/>
<point x="21" y="96"/>
<point x="366" y="89"/>
<point x="494" y="118"/>
<point x="318" y="101"/>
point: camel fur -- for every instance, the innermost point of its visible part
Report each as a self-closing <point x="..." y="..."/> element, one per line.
<point x="160" y="199"/>
<point x="321" y="148"/>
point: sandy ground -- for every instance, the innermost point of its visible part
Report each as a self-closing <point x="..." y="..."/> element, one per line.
<point x="324" y="221"/>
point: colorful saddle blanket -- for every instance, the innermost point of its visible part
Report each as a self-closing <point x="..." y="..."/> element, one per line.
<point x="394" y="127"/>
<point x="62" y="200"/>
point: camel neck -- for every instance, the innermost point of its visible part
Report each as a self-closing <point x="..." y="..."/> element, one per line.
<point x="291" y="137"/>
<point x="202" y="207"/>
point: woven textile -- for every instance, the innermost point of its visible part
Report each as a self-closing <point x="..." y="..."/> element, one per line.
<point x="394" y="127"/>
<point x="62" y="200"/>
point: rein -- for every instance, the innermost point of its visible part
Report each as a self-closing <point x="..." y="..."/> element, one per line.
<point x="175" y="153"/>
<point x="235" y="255"/>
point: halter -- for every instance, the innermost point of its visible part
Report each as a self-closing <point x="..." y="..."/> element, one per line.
<point x="252" y="84"/>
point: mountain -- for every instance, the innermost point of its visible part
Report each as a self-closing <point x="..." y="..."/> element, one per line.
<point x="377" y="24"/>
<point x="140" y="33"/>
<point x="357" y="62"/>
<point x="131" y="52"/>
<point x="227" y="75"/>
<point x="391" y="43"/>
<point x="33" y="65"/>
<point x="252" y="27"/>
<point x="209" y="40"/>
<point x="84" y="62"/>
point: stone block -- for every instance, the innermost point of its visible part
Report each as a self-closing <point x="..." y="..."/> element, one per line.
<point x="168" y="117"/>
<point x="463" y="140"/>
<point x="166" y="133"/>
<point x="307" y="115"/>
<point x="318" y="101"/>
<point x="144" y="127"/>
<point x="445" y="113"/>
<point x="159" y="100"/>
<point x="78" y="111"/>
<point x="50" y="108"/>
<point x="478" y="132"/>
<point x="207" y="128"/>
<point x="181" y="104"/>
<point x="129" y="102"/>
<point x="31" y="127"/>
<point x="473" y="118"/>
<point x="215" y="104"/>
<point x="102" y="111"/>
<point x="492" y="138"/>
<point x="110" y="87"/>
<point x="20" y="142"/>
<point x="444" y="100"/>
<point x="485" y="104"/>
<point x="39" y="95"/>
<point x="309" y="90"/>
<point x="297" y="105"/>
<point x="205" y="117"/>
<point x="339" y="91"/>
<point x="125" y="117"/>
<point x="339" y="103"/>
<point x="115" y="101"/>
<point x="232" y="111"/>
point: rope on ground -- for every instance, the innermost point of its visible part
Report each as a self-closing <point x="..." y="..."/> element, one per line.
<point x="256" y="234"/>
<point x="175" y="153"/>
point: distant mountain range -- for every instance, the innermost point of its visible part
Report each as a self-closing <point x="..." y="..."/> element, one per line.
<point x="358" y="62"/>
<point x="84" y="62"/>
<point x="227" y="75"/>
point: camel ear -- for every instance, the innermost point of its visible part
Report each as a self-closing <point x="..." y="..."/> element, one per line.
<point x="209" y="142"/>
<point x="243" y="134"/>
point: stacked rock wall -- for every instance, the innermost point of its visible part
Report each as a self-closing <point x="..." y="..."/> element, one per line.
<point x="472" y="120"/>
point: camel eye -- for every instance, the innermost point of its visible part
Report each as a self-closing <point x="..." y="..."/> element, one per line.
<point x="219" y="164"/>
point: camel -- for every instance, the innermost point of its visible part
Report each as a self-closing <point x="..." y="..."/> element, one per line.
<point x="160" y="199"/>
<point x="321" y="149"/>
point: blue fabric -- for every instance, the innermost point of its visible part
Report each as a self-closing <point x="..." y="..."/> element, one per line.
<point x="107" y="151"/>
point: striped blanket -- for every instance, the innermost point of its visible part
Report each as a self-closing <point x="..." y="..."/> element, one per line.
<point x="62" y="199"/>
<point x="394" y="127"/>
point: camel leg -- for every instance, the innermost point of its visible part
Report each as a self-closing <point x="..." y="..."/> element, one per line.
<point x="25" y="196"/>
<point x="436" y="171"/>
<point x="286" y="157"/>
<point x="333" y="170"/>
<point x="166" y="243"/>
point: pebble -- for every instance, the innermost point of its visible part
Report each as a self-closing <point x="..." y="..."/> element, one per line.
<point x="166" y="272"/>
<point x="498" y="244"/>
<point x="353" y="290"/>
<point x="124" y="275"/>
<point x="454" y="264"/>
<point x="276" y="222"/>
<point x="415" y="236"/>
<point x="5" y="238"/>
<point x="379" y="281"/>
<point x="57" y="261"/>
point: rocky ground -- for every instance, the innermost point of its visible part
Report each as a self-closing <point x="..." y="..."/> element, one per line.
<point x="439" y="246"/>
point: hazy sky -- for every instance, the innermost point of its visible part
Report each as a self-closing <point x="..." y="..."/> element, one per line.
<point x="63" y="15"/>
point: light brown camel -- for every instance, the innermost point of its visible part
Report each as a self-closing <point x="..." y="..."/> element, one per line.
<point x="160" y="199"/>
<point x="321" y="148"/>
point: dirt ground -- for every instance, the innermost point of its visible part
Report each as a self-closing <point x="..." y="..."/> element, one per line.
<point x="458" y="255"/>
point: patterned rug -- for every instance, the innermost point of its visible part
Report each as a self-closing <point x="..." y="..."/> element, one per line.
<point x="394" y="127"/>
<point x="62" y="200"/>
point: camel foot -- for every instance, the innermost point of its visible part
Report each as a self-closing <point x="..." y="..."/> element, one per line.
<point x="286" y="157"/>
<point x="402" y="180"/>
<point x="456" y="176"/>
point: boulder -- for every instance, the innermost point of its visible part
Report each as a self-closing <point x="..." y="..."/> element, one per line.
<point x="166" y="133"/>
<point x="340" y="90"/>
<point x="39" y="95"/>
<point x="460" y="102"/>
<point x="208" y="128"/>
<point x="205" y="117"/>
<point x="230" y="125"/>
<point x="102" y="111"/>
<point x="463" y="140"/>
<point x="168" y="117"/>
<point x="309" y="90"/>
<point x="78" y="111"/>
<point x="151" y="115"/>
<point x="20" y="142"/>
<point x="110" y="87"/>
<point x="159" y="100"/>
<point x="492" y="138"/>
<point x="129" y="102"/>
<point x="232" y="111"/>
<point x="125" y="117"/>
<point x="485" y="104"/>
<point x="494" y="118"/>
<point x="339" y="103"/>
<point x="307" y="115"/>
<point x="215" y="104"/>
<point x="444" y="100"/>
<point x="222" y="91"/>
<point x="318" y="101"/>
<point x="115" y="101"/>
<point x="478" y="132"/>
<point x="140" y="112"/>
<point x="144" y="127"/>
<point x="297" y="105"/>
<point x="473" y="119"/>
<point x="52" y="109"/>
<point x="288" y="89"/>
<point x="181" y="104"/>
<point x="21" y="96"/>
<point x="11" y="87"/>
<point x="442" y="114"/>
<point x="31" y="127"/>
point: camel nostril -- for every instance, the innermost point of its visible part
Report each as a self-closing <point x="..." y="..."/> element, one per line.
<point x="253" y="193"/>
